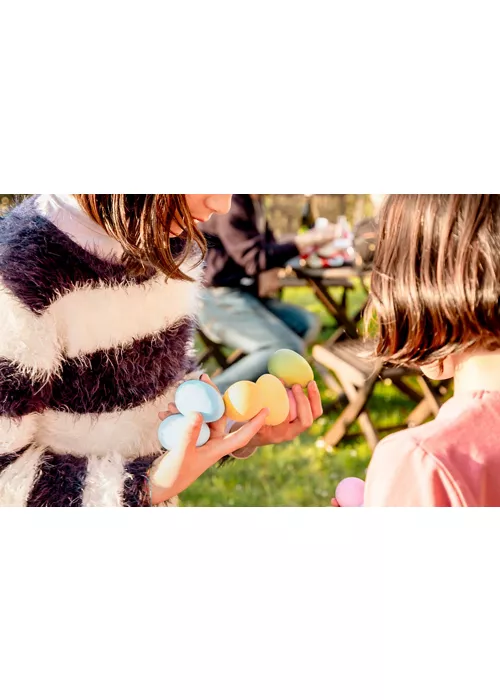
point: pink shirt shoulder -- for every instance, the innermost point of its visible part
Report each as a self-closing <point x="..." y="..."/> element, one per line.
<point x="451" y="461"/>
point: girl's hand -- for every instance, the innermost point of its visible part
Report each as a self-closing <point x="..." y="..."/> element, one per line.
<point x="335" y="503"/>
<point x="304" y="410"/>
<point x="217" y="429"/>
<point x="180" y="467"/>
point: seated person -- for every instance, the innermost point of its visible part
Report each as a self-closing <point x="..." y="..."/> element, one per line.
<point x="239" y="309"/>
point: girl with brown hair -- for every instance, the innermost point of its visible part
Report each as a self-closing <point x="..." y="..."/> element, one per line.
<point x="98" y="304"/>
<point x="436" y="296"/>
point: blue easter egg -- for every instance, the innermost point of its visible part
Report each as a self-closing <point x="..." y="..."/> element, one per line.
<point x="172" y="428"/>
<point x="195" y="396"/>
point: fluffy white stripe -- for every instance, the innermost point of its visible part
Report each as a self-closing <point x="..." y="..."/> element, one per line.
<point x="26" y="338"/>
<point x="89" y="319"/>
<point x="104" y="317"/>
<point x="17" y="479"/>
<point x="16" y="433"/>
<point x="131" y="433"/>
<point x="104" y="482"/>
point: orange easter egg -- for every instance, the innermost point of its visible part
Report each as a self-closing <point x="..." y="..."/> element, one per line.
<point x="243" y="401"/>
<point x="274" y="397"/>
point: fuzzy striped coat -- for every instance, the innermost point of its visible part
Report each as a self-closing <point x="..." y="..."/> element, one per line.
<point x="88" y="356"/>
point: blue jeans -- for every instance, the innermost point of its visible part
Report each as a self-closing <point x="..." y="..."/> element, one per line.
<point x="259" y="327"/>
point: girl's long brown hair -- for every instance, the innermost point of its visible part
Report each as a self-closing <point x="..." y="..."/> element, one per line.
<point x="435" y="287"/>
<point x="141" y="223"/>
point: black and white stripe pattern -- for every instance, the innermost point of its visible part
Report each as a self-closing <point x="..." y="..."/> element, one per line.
<point x="88" y="356"/>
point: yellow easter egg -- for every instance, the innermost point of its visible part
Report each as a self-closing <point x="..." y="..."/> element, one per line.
<point x="291" y="367"/>
<point x="274" y="397"/>
<point x="242" y="401"/>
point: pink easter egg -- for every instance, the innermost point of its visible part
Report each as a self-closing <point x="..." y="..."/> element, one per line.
<point x="350" y="492"/>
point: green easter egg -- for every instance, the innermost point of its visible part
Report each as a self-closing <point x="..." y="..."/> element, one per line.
<point x="291" y="367"/>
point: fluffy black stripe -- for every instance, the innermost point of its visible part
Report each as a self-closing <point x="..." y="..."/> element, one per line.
<point x="60" y="482"/>
<point x="38" y="261"/>
<point x="136" y="488"/>
<point x="7" y="459"/>
<point x="119" y="379"/>
<point x="19" y="394"/>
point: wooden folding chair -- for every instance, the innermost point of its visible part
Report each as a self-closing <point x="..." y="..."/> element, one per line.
<point x="358" y="375"/>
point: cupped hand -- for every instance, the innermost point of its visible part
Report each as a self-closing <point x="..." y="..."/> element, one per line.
<point x="180" y="467"/>
<point x="304" y="410"/>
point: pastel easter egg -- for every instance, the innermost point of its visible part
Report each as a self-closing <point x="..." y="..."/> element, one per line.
<point x="172" y="429"/>
<point x="274" y="397"/>
<point x="243" y="401"/>
<point x="291" y="367"/>
<point x="198" y="397"/>
<point x="350" y="492"/>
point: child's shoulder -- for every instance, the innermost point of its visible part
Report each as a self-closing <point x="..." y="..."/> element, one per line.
<point x="20" y="226"/>
<point x="38" y="262"/>
<point x="405" y="470"/>
<point x="425" y="464"/>
<point x="27" y="260"/>
<point x="23" y="237"/>
<point x="461" y="421"/>
<point x="400" y="445"/>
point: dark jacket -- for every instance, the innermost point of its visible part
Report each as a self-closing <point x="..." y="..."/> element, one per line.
<point x="237" y="250"/>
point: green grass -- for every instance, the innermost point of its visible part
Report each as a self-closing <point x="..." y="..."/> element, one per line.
<point x="300" y="473"/>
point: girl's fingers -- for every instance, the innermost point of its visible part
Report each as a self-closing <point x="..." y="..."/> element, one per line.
<point x="205" y="378"/>
<point x="292" y="415"/>
<point x="241" y="437"/>
<point x="190" y="436"/>
<point x="314" y="400"/>
<point x="335" y="503"/>
<point x="304" y="412"/>
<point x="172" y="408"/>
<point x="165" y="473"/>
<point x="218" y="428"/>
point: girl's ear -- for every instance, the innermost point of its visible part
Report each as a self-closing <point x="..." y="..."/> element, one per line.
<point x="445" y="371"/>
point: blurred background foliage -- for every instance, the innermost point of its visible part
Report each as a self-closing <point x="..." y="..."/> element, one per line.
<point x="286" y="211"/>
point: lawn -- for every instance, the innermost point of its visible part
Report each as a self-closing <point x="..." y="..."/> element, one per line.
<point x="301" y="473"/>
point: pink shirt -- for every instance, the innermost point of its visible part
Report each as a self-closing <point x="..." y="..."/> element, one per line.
<point x="452" y="461"/>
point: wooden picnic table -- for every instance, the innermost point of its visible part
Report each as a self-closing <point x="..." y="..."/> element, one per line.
<point x="321" y="280"/>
